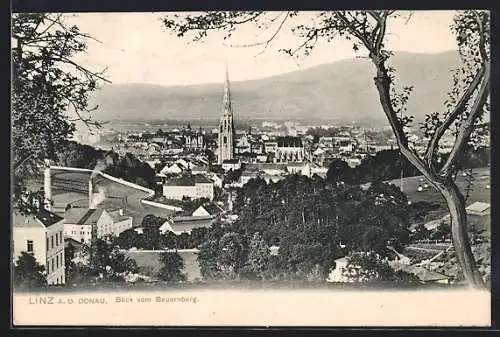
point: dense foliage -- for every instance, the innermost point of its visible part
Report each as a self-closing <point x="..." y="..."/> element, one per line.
<point x="312" y="222"/>
<point x="101" y="261"/>
<point x="28" y="273"/>
<point x="127" y="167"/>
<point x="390" y="164"/>
<point x="371" y="267"/>
<point x="172" y="266"/>
<point x="50" y="90"/>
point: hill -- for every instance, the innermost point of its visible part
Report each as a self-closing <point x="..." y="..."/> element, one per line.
<point x="341" y="90"/>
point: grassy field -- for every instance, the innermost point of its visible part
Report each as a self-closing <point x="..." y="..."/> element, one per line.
<point x="149" y="263"/>
<point x="479" y="190"/>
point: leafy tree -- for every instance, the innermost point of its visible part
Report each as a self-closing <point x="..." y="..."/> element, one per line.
<point x="339" y="171"/>
<point x="258" y="256"/>
<point x="47" y="84"/>
<point x="421" y="232"/>
<point x="102" y="260"/>
<point x="375" y="239"/>
<point x="197" y="237"/>
<point x="468" y="101"/>
<point x="169" y="240"/>
<point x="442" y="232"/>
<point x="151" y="238"/>
<point x="28" y="273"/>
<point x="172" y="266"/>
<point x="208" y="259"/>
<point x="232" y="255"/>
<point x="370" y="267"/>
<point x="128" y="239"/>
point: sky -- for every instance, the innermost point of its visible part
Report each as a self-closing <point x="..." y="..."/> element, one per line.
<point x="136" y="48"/>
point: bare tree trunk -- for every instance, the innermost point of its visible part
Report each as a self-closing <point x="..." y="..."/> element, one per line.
<point x="460" y="238"/>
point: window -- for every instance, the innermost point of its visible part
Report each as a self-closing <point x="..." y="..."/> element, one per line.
<point x="29" y="246"/>
<point x="52" y="264"/>
<point x="57" y="239"/>
<point x="47" y="241"/>
<point x="48" y="265"/>
<point x="57" y="261"/>
<point x="225" y="140"/>
<point x="51" y="242"/>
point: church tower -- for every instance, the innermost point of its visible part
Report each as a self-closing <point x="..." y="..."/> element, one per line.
<point x="226" y="127"/>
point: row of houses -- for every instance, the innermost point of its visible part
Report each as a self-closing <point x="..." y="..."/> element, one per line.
<point x="44" y="234"/>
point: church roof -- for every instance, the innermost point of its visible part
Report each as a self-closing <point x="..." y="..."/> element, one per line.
<point x="289" y="141"/>
<point x="227" y="95"/>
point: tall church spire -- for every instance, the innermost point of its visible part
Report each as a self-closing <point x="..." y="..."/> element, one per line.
<point x="226" y="126"/>
<point x="227" y="95"/>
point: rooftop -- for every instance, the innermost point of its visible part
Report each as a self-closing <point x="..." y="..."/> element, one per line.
<point x="117" y="217"/>
<point x="425" y="275"/>
<point x="82" y="216"/>
<point x="478" y="207"/>
<point x="289" y="141"/>
<point x="212" y="208"/>
<point x="231" y="161"/>
<point x="40" y="219"/>
<point x="188" y="180"/>
<point x="265" y="166"/>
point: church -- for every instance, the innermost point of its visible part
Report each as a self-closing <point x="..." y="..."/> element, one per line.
<point x="226" y="139"/>
<point x="193" y="139"/>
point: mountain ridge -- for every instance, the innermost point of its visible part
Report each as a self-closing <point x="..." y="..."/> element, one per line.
<point x="329" y="91"/>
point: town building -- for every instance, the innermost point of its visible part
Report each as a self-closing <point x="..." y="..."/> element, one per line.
<point x="174" y="168"/>
<point x="289" y="149"/>
<point x="231" y="164"/>
<point x="200" y="169"/>
<point x="193" y="139"/>
<point x="226" y="127"/>
<point x="209" y="209"/>
<point x="185" y="224"/>
<point x="190" y="186"/>
<point x="83" y="224"/>
<point x="42" y="235"/>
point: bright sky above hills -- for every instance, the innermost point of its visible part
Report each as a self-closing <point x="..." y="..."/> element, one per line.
<point x="137" y="49"/>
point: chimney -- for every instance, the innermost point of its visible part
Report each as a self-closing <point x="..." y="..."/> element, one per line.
<point x="47" y="185"/>
<point x="91" y="194"/>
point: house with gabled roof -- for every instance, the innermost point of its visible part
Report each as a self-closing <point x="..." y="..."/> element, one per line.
<point x="209" y="209"/>
<point x="175" y="168"/>
<point x="185" y="224"/>
<point x="84" y="224"/>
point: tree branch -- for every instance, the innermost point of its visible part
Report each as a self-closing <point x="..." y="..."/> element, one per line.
<point x="22" y="161"/>
<point x="482" y="40"/>
<point x="451" y="117"/>
<point x="353" y="30"/>
<point x="266" y="42"/>
<point x="467" y="126"/>
<point x="381" y="26"/>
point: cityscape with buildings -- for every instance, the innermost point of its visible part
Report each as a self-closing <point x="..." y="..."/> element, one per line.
<point x="235" y="198"/>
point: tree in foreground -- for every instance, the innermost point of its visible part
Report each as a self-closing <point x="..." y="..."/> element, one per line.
<point x="468" y="100"/>
<point x="172" y="267"/>
<point x="28" y="273"/>
<point x="50" y="91"/>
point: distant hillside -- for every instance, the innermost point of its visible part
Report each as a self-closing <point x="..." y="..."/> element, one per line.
<point x="341" y="90"/>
